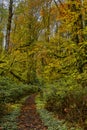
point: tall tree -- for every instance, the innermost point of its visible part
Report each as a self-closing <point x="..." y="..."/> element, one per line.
<point x="3" y="20"/>
<point x="46" y="18"/>
<point x="76" y="8"/>
<point x="9" y="24"/>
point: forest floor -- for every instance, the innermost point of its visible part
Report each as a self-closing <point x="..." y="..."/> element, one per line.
<point x="29" y="119"/>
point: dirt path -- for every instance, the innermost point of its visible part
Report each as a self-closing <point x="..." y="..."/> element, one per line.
<point x="29" y="118"/>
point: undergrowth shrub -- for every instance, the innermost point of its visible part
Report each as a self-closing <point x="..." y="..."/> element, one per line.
<point x="68" y="100"/>
<point x="50" y="120"/>
<point x="11" y="92"/>
<point x="9" y="121"/>
<point x="71" y="104"/>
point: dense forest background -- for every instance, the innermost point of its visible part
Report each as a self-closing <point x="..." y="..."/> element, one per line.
<point x="44" y="43"/>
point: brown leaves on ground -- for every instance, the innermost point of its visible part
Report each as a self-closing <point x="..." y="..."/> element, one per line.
<point x="29" y="119"/>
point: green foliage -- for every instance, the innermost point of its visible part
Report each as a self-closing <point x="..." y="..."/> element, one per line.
<point x="11" y="92"/>
<point x="67" y="99"/>
<point x="50" y="120"/>
<point x="9" y="122"/>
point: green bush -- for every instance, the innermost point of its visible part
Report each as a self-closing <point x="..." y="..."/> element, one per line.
<point x="51" y="121"/>
<point x="11" y="92"/>
<point x="70" y="104"/>
<point x="67" y="99"/>
<point x="9" y="121"/>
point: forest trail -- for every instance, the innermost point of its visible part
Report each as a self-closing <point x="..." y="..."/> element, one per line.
<point x="29" y="119"/>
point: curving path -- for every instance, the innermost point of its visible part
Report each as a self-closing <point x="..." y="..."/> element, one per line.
<point x="29" y="119"/>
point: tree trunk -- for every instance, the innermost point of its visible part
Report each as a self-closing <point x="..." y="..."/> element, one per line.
<point x="9" y="24"/>
<point x="78" y="24"/>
